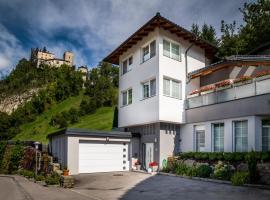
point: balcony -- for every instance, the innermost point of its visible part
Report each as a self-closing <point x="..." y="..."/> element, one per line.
<point x="253" y="87"/>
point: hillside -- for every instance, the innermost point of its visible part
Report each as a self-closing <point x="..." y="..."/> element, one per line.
<point x="40" y="128"/>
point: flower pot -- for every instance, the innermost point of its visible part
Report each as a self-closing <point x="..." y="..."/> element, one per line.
<point x="223" y="87"/>
<point x="154" y="168"/>
<point x="138" y="167"/>
<point x="267" y="76"/>
<point x="193" y="95"/>
<point x="65" y="172"/>
<point x="242" y="83"/>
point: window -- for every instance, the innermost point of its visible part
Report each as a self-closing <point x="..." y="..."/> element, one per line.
<point x="218" y="135"/>
<point x="127" y="97"/>
<point x="266" y="135"/>
<point x="171" y="50"/>
<point x="149" y="51"/>
<point x="241" y="136"/>
<point x="126" y="65"/>
<point x="172" y="88"/>
<point x="200" y="138"/>
<point x="149" y="88"/>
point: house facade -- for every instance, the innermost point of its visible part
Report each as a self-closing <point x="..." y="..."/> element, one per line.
<point x="160" y="65"/>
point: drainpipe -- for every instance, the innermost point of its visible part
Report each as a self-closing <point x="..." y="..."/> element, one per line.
<point x="186" y="67"/>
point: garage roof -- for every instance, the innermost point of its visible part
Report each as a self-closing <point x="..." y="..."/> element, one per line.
<point x="84" y="132"/>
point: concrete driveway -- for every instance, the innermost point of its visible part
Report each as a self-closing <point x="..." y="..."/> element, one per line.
<point x="131" y="185"/>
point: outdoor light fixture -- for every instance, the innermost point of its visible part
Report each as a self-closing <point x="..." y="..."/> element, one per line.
<point x="36" y="146"/>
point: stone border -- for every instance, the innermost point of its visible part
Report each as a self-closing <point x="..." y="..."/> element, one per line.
<point x="263" y="187"/>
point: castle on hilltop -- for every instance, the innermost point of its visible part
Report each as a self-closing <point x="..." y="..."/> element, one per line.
<point x="42" y="56"/>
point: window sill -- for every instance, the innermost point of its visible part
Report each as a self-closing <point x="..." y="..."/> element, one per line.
<point x="126" y="72"/>
<point x="148" y="97"/>
<point x="147" y="60"/>
<point x="172" y="97"/>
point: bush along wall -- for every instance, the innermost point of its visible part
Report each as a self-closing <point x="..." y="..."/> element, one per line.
<point x="240" y="168"/>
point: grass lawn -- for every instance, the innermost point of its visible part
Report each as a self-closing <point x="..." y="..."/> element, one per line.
<point x="40" y="128"/>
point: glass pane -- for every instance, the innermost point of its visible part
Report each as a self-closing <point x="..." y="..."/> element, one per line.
<point x="218" y="137"/>
<point x="130" y="60"/>
<point x="175" y="51"/>
<point x="130" y="96"/>
<point x="146" y="90"/>
<point x="153" y="49"/>
<point x="241" y="136"/>
<point x="153" y="87"/>
<point x="175" y="89"/>
<point x="166" y="48"/>
<point x="146" y="54"/>
<point x="200" y="140"/>
<point x="124" y="100"/>
<point x="124" y="70"/>
<point x="166" y="87"/>
<point x="265" y="135"/>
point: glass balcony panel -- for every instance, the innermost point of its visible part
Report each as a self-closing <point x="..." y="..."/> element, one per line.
<point x="245" y="91"/>
<point x="263" y="86"/>
<point x="195" y="102"/>
<point x="225" y="95"/>
<point x="209" y="98"/>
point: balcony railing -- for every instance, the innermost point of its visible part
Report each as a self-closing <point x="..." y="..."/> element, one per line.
<point x="255" y="87"/>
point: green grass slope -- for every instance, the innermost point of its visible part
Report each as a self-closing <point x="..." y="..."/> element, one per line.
<point x="40" y="128"/>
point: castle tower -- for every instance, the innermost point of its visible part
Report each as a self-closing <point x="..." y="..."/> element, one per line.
<point x="68" y="57"/>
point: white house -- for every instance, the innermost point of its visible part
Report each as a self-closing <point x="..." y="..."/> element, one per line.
<point x="160" y="65"/>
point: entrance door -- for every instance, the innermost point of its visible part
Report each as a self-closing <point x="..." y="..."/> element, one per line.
<point x="149" y="154"/>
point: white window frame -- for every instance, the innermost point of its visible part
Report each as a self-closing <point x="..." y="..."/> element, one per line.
<point x="234" y="135"/>
<point x="149" y="49"/>
<point x="170" y="52"/>
<point x="267" y="147"/>
<point x="129" y="101"/>
<point x="213" y="135"/>
<point x="148" y="82"/>
<point x="129" y="65"/>
<point x="171" y="87"/>
<point x="199" y="128"/>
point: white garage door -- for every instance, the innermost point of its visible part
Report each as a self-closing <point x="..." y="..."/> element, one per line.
<point x="103" y="157"/>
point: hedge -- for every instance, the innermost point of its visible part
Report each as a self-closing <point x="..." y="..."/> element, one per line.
<point x="224" y="156"/>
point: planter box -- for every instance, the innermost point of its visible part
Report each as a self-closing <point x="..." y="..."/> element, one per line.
<point x="223" y="87"/>
<point x="207" y="92"/>
<point x="193" y="95"/>
<point x="138" y="167"/>
<point x="263" y="77"/>
<point x="242" y="83"/>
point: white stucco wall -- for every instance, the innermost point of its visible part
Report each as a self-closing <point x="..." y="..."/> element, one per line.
<point x="187" y="134"/>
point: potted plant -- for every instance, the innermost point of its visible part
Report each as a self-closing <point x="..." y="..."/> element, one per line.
<point x="207" y="89"/>
<point x="262" y="75"/>
<point x="138" y="165"/>
<point x="242" y="80"/>
<point x="224" y="84"/>
<point x="65" y="171"/>
<point x="194" y="93"/>
<point x="153" y="166"/>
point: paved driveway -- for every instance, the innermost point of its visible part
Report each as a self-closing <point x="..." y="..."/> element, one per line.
<point x="131" y="185"/>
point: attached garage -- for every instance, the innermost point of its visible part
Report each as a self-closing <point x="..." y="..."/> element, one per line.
<point x="84" y="151"/>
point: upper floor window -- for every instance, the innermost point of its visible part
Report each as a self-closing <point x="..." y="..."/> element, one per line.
<point x="126" y="65"/>
<point x="149" y="51"/>
<point x="171" y="50"/>
<point x="149" y="88"/>
<point x="172" y="88"/>
<point x="241" y="136"/>
<point x="127" y="97"/>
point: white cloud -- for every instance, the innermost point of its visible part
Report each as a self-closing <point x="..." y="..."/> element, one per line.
<point x="10" y="49"/>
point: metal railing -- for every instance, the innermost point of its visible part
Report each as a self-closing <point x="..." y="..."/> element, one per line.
<point x="257" y="86"/>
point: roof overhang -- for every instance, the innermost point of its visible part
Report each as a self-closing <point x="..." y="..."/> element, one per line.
<point x="160" y="22"/>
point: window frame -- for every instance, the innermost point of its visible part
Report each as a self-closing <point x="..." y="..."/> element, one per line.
<point x="129" y="66"/>
<point x="265" y="148"/>
<point x="148" y="46"/>
<point x="234" y="136"/>
<point x="213" y="135"/>
<point x="128" y="101"/>
<point x="199" y="129"/>
<point x="171" y="43"/>
<point x="148" y="82"/>
<point x="171" y="87"/>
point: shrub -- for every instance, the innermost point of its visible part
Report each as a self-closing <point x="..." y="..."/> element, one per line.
<point x="203" y="171"/>
<point x="222" y="171"/>
<point x="2" y="151"/>
<point x="252" y="166"/>
<point x="239" y="178"/>
<point x="27" y="173"/>
<point x="53" y="179"/>
<point x="40" y="178"/>
<point x="74" y="115"/>
<point x="16" y="157"/>
<point x="180" y="169"/>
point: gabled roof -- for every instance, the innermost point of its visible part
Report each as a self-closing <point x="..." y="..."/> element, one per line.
<point x="160" y="22"/>
<point x="236" y="60"/>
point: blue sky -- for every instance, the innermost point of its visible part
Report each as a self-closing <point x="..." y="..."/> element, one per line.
<point x="93" y="28"/>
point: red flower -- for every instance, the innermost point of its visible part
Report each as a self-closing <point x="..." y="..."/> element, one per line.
<point x="224" y="83"/>
<point x="194" y="92"/>
<point x="242" y="79"/>
<point x="206" y="88"/>
<point x="262" y="73"/>
<point x="152" y="164"/>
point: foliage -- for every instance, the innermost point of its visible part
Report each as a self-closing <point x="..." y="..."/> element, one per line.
<point x="27" y="173"/>
<point x="203" y="171"/>
<point x="53" y="179"/>
<point x="40" y="178"/>
<point x="239" y="178"/>
<point x="115" y="117"/>
<point x="6" y="160"/>
<point x="207" y="33"/>
<point x="3" y="145"/>
<point x="222" y="171"/>
<point x="16" y="157"/>
<point x="28" y="161"/>
<point x="251" y="159"/>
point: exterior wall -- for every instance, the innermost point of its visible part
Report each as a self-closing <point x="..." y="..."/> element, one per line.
<point x="256" y="105"/>
<point x="158" y="108"/>
<point x="73" y="150"/>
<point x="254" y="134"/>
<point x="58" y="148"/>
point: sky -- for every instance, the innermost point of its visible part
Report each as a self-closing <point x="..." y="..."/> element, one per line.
<point x="91" y="29"/>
